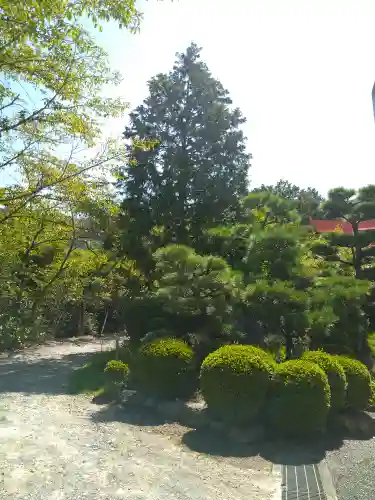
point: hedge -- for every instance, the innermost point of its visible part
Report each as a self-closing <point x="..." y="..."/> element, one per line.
<point x="234" y="382"/>
<point x="165" y="367"/>
<point x="301" y="399"/>
<point x="358" y="391"/>
<point x="335" y="373"/>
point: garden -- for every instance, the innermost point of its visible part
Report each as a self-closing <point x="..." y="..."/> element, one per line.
<point x="240" y="387"/>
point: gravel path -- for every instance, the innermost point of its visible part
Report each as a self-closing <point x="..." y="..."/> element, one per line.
<point x="53" y="445"/>
<point x="353" y="469"/>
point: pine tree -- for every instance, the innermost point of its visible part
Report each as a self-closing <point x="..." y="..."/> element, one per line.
<point x="349" y="206"/>
<point x="197" y="171"/>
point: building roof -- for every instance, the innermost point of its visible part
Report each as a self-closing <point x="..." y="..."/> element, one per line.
<point x="329" y="226"/>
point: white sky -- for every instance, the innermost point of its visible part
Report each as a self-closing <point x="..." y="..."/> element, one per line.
<point x="300" y="70"/>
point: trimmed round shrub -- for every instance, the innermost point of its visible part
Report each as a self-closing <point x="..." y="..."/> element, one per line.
<point x="300" y="399"/>
<point x="358" y="391"/>
<point x="234" y="382"/>
<point x="116" y="370"/>
<point x="335" y="373"/>
<point x="165" y="367"/>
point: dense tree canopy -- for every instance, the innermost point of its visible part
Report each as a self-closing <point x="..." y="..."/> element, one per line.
<point x="55" y="202"/>
<point x="197" y="170"/>
<point x="305" y="201"/>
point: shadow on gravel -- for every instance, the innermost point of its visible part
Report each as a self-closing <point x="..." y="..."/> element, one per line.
<point x="276" y="451"/>
<point x="210" y="442"/>
<point x="40" y="376"/>
<point x="129" y="415"/>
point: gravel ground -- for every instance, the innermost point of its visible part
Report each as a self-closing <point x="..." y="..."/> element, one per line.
<point x="353" y="469"/>
<point x="58" y="446"/>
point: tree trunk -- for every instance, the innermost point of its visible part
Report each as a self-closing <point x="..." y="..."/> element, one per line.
<point x="288" y="347"/>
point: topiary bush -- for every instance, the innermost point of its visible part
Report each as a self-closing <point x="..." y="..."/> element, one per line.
<point x="165" y="368"/>
<point x="358" y="391"/>
<point x="300" y="399"/>
<point x="116" y="370"/>
<point x="335" y="373"/>
<point x="234" y="382"/>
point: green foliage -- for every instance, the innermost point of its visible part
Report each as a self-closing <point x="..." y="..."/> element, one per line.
<point x="269" y="209"/>
<point x="358" y="378"/>
<point x="273" y="253"/>
<point x="197" y="170"/>
<point x="54" y="214"/>
<point x="335" y="373"/>
<point x="165" y="367"/>
<point x="196" y="292"/>
<point x="353" y="207"/>
<point x="282" y="310"/>
<point x="343" y="299"/>
<point x="300" y="399"/>
<point x="306" y="202"/>
<point x="371" y="343"/>
<point x="90" y="378"/>
<point x="51" y="101"/>
<point x="234" y="382"/>
<point x="371" y="402"/>
<point x="116" y="370"/>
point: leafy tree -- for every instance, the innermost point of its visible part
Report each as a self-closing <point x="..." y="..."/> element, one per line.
<point x="305" y="201"/>
<point x="50" y="97"/>
<point x="197" y="170"/>
<point x="51" y="110"/>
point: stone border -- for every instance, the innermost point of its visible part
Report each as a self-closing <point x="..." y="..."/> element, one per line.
<point x="193" y="414"/>
<point x="327" y="481"/>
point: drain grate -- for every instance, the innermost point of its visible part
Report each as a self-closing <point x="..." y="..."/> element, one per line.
<point x="302" y="482"/>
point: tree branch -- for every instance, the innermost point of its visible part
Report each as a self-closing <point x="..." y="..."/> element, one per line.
<point x="10" y="103"/>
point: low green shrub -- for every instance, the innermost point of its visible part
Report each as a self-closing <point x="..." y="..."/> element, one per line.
<point x="91" y="377"/>
<point x="371" y="403"/>
<point x="300" y="399"/>
<point x="335" y="373"/>
<point x="358" y="377"/>
<point x="165" y="367"/>
<point x="116" y="370"/>
<point x="234" y="382"/>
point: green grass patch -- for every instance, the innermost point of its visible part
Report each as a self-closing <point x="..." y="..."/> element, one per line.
<point x="90" y="378"/>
